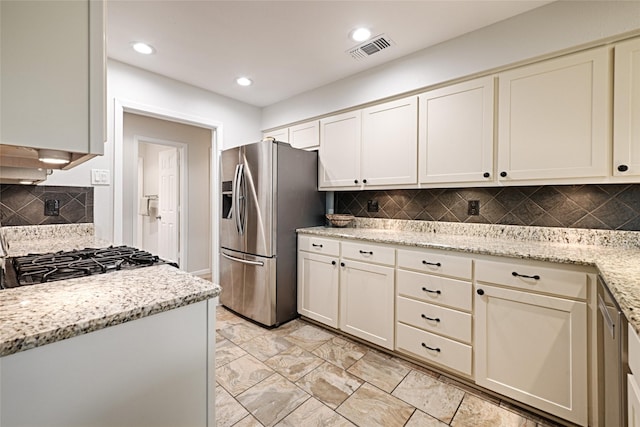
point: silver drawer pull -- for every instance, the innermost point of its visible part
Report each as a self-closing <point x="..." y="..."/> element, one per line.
<point x="429" y="290"/>
<point x="366" y="252"/>
<point x="437" y="264"/>
<point x="435" y="319"/>
<point x="316" y="246"/>
<point x="535" y="277"/>
<point x="431" y="348"/>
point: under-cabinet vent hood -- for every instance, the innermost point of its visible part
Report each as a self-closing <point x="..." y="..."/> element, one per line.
<point x="370" y="47"/>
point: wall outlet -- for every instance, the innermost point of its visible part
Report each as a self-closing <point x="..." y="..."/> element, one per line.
<point x="473" y="207"/>
<point x="51" y="207"/>
<point x="372" y="206"/>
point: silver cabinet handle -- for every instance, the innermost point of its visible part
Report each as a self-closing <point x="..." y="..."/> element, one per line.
<point x="244" y="261"/>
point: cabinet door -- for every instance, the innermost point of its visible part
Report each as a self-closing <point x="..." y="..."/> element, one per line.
<point x="52" y="67"/>
<point x="553" y="119"/>
<point x="339" y="152"/>
<point x="318" y="288"/>
<point x="366" y="302"/>
<point x="533" y="348"/>
<point x="390" y="143"/>
<point x="305" y="135"/>
<point x="456" y="133"/>
<point x="633" y="401"/>
<point x="626" y="109"/>
<point x="281" y="135"/>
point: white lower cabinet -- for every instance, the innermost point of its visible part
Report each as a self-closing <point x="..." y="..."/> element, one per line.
<point x="633" y="380"/>
<point x="366" y="301"/>
<point x="318" y="288"/>
<point x="532" y="347"/>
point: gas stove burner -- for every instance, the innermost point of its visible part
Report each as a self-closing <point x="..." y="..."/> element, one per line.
<point x="42" y="268"/>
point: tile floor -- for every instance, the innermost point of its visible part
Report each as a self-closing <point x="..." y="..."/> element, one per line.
<point x="303" y="375"/>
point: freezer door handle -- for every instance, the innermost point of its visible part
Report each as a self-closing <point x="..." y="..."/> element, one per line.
<point x="237" y="198"/>
<point x="244" y="261"/>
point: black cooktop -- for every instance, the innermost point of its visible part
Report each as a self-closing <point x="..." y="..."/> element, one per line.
<point x="49" y="267"/>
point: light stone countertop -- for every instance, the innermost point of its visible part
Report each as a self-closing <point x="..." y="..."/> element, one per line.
<point x="35" y="315"/>
<point x="616" y="255"/>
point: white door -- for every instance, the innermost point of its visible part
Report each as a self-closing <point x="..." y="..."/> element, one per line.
<point x="168" y="243"/>
<point x="626" y="109"/>
<point x="318" y="288"/>
<point x="339" y="154"/>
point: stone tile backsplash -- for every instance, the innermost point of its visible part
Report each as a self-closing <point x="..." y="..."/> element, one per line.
<point x="608" y="207"/>
<point x="24" y="204"/>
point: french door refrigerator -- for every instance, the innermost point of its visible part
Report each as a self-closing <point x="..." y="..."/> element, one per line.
<point x="269" y="189"/>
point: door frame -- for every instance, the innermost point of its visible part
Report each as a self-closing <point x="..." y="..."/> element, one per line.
<point x="123" y="105"/>
<point x="183" y="151"/>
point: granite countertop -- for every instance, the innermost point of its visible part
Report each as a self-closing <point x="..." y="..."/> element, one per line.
<point x="45" y="313"/>
<point x="616" y="255"/>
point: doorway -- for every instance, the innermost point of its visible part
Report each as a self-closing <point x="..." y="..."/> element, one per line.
<point x="161" y="193"/>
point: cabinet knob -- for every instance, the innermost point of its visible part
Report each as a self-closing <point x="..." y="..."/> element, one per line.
<point x="480" y="292"/>
<point x="342" y="264"/>
<point x="503" y="174"/>
<point x="364" y="181"/>
<point x="355" y="181"/>
<point x="486" y="174"/>
<point x="623" y="168"/>
<point x="333" y="263"/>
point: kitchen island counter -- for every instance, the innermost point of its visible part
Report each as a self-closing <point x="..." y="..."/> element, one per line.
<point x="615" y="254"/>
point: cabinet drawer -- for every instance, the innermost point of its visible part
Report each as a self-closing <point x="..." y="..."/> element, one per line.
<point x="634" y="351"/>
<point x="532" y="277"/>
<point x="435" y="289"/>
<point x="319" y="245"/>
<point x="369" y="253"/>
<point x="435" y="262"/>
<point x="451" y="354"/>
<point x="433" y="318"/>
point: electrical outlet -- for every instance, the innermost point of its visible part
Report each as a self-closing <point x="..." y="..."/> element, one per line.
<point x="52" y="207"/>
<point x="372" y="206"/>
<point x="473" y="207"/>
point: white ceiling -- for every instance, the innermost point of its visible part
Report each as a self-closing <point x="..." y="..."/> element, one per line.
<point x="286" y="47"/>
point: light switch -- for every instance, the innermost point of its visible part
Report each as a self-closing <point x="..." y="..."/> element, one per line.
<point x="100" y="177"/>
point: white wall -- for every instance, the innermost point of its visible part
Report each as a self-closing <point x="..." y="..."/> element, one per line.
<point x="548" y="29"/>
<point x="241" y="124"/>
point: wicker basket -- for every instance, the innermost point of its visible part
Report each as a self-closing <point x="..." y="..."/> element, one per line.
<point x="339" y="220"/>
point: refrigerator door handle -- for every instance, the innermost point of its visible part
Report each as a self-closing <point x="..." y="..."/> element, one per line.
<point x="244" y="261"/>
<point x="234" y="199"/>
<point x="242" y="202"/>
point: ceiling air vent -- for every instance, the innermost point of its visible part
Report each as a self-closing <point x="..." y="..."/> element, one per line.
<point x="370" y="47"/>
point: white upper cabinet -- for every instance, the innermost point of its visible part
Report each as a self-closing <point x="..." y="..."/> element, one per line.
<point x="554" y="119"/>
<point x="390" y="143"/>
<point x="626" y="109"/>
<point x="456" y="133"/>
<point x="281" y="135"/>
<point x="339" y="154"/>
<point x="305" y="135"/>
<point x="53" y="76"/>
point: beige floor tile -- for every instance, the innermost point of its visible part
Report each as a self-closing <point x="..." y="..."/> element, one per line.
<point x="379" y="369"/>
<point x="241" y="374"/>
<point x="288" y="328"/>
<point x="248" y="421"/>
<point x="420" y="419"/>
<point x="341" y="352"/>
<point x="225" y="318"/>
<point x="371" y="407"/>
<point x="239" y="333"/>
<point x="330" y="384"/>
<point x="309" y="337"/>
<point x="542" y="422"/>
<point x="265" y="346"/>
<point x="475" y="412"/>
<point x="313" y="413"/>
<point x="272" y="399"/>
<point x="479" y="393"/>
<point x="228" y="410"/>
<point x="430" y="395"/>
<point x="294" y="363"/>
<point x="226" y="352"/>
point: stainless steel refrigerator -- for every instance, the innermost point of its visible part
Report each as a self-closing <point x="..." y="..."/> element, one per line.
<point x="269" y="189"/>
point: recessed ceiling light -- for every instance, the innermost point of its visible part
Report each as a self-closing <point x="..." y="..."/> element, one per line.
<point x="244" y="81"/>
<point x="143" y="48"/>
<point x="360" y="34"/>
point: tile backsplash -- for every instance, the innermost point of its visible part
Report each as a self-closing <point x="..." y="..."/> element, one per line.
<point x="608" y="207"/>
<point x="25" y="204"/>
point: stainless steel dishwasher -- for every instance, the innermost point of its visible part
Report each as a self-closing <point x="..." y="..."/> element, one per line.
<point x="612" y="360"/>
